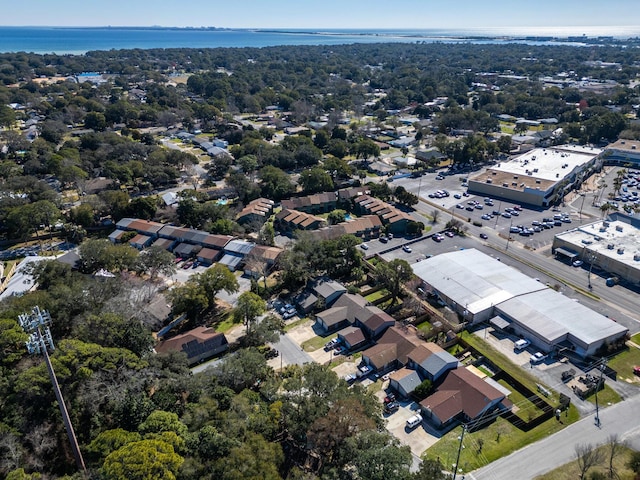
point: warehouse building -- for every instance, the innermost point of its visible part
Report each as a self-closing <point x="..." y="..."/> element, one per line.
<point x="539" y="177"/>
<point x="482" y="289"/>
<point x="611" y="245"/>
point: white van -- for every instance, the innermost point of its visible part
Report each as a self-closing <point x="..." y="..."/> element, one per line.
<point x="521" y="344"/>
<point x="414" y="421"/>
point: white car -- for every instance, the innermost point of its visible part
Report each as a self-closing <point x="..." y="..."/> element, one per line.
<point x="537" y="357"/>
<point x="577" y="263"/>
<point x="407" y="248"/>
<point x="364" y="246"/>
<point x="414" y="421"/>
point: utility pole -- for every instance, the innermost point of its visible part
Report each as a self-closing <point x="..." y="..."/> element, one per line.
<point x="39" y="342"/>
<point x="509" y="233"/>
<point x="601" y="368"/>
<point x="583" y="195"/>
<point x="461" y="437"/>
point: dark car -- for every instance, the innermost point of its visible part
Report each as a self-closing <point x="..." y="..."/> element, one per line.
<point x="484" y="236"/>
<point x="391" y="407"/>
<point x="390" y="398"/>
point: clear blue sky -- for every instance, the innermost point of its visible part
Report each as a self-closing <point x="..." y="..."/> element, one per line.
<point x="410" y="14"/>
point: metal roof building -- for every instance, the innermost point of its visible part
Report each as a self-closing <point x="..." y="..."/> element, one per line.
<point x="479" y="287"/>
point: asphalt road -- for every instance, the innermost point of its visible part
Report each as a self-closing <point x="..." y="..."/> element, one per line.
<point x="290" y="352"/>
<point x="559" y="449"/>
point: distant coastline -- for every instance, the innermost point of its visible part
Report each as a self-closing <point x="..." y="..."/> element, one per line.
<point x="79" y="40"/>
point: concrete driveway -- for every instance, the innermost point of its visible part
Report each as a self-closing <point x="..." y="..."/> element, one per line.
<point x="419" y="438"/>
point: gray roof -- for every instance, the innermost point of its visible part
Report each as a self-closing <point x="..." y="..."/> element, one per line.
<point x="439" y="360"/>
<point x="473" y="279"/>
<point x="409" y="382"/>
<point x="328" y="288"/>
<point x="551" y="315"/>
<point x="239" y="246"/>
<point x="230" y="260"/>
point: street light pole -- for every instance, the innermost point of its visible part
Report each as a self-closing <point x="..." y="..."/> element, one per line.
<point x="509" y="233"/>
<point x="583" y="195"/>
<point x="591" y="259"/>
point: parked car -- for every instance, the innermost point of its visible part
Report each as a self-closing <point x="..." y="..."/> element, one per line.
<point x="449" y="234"/>
<point x="407" y="248"/>
<point x="384" y="239"/>
<point x="364" y="246"/>
<point x="187" y="265"/>
<point x="350" y="378"/>
<point x="636" y="370"/>
<point x="414" y="421"/>
<point x="484" y="236"/>
<point x="521" y="344"/>
<point x="364" y="370"/>
<point x="390" y="398"/>
<point x="537" y="357"/>
<point x="577" y="263"/>
<point x="391" y="407"/>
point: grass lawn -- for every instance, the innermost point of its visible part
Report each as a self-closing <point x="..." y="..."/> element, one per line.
<point x="624" y="362"/>
<point x="503" y="362"/>
<point x="526" y="409"/>
<point x="314" y="343"/>
<point x="375" y="387"/>
<point x="636" y="338"/>
<point x="225" y="323"/>
<point x="425" y="325"/>
<point x="493" y="442"/>
<point x="376" y="295"/>
<point x="297" y="323"/>
<point x="570" y="471"/>
<point x="606" y="396"/>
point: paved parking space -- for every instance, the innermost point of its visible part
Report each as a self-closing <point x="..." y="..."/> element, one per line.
<point x="419" y="438"/>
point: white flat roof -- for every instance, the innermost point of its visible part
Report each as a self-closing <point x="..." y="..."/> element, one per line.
<point x="549" y="161"/>
<point x="473" y="279"/>
<point x="551" y="315"/>
<point x="597" y="237"/>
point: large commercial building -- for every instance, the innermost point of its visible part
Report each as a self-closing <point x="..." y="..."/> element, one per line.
<point x="611" y="245"/>
<point x="482" y="289"/>
<point x="623" y="153"/>
<point x="539" y="177"/>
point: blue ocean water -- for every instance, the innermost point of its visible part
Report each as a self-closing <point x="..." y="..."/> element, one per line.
<point x="69" y="40"/>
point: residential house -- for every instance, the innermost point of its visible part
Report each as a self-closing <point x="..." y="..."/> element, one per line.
<point x="288" y="220"/>
<point x="367" y="226"/>
<point x="350" y="309"/>
<point x="352" y="337"/>
<point x="395" y="219"/>
<point x="198" y="344"/>
<point x="261" y="259"/>
<point x="328" y="291"/>
<point x="404" y="381"/>
<point x="432" y="361"/>
<point x="392" y="350"/>
<point x="144" y="227"/>
<point x="462" y="396"/>
<point x="257" y="211"/>
<point x="317" y="203"/>
<point x="140" y="241"/>
<point x="235" y="252"/>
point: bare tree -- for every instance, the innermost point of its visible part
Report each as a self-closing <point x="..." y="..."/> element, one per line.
<point x="43" y="441"/>
<point x="616" y="446"/>
<point x="11" y="452"/>
<point x="587" y="456"/>
<point x="435" y="214"/>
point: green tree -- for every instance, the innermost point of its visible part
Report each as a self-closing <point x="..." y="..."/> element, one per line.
<point x="156" y="260"/>
<point x="315" y="180"/>
<point x="275" y="183"/>
<point x="215" y="279"/>
<point x="109" y="441"/>
<point x="246" y="368"/>
<point x="83" y="215"/>
<point x="336" y="216"/>
<point x="393" y="274"/>
<point x="422" y="390"/>
<point x="160" y="421"/>
<point x="101" y="253"/>
<point x="249" y="307"/>
<point x="12" y="340"/>
<point x="112" y="330"/>
<point x="378" y="456"/>
<point x="143" y="460"/>
<point x="430" y="470"/>
<point x="255" y="459"/>
<point x="143" y="207"/>
<point x="266" y="330"/>
<point x="190" y="298"/>
<point x="96" y="121"/>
